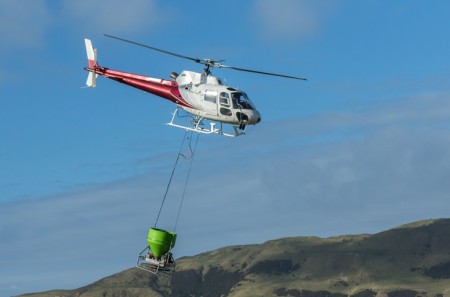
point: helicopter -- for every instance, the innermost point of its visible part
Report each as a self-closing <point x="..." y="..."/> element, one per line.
<point x="204" y="97"/>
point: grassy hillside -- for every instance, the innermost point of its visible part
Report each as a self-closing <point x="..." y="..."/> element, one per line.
<point x="410" y="260"/>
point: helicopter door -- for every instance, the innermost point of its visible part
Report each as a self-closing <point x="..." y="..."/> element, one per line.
<point x="210" y="102"/>
<point x="225" y="107"/>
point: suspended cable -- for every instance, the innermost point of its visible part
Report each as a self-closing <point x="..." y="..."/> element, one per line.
<point x="187" y="178"/>
<point x="158" y="253"/>
<point x="171" y="176"/>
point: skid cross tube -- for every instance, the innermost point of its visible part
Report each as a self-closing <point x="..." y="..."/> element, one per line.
<point x="196" y="126"/>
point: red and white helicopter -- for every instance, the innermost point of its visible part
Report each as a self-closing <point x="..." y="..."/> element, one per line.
<point x="201" y="95"/>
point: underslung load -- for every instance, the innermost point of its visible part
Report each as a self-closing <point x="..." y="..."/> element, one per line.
<point x="157" y="255"/>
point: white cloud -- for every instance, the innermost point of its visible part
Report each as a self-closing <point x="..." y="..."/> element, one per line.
<point x="23" y="23"/>
<point x="114" y="16"/>
<point x="26" y="23"/>
<point x="288" y="19"/>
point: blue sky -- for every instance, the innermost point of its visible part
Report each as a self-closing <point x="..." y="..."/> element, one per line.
<point x="361" y="147"/>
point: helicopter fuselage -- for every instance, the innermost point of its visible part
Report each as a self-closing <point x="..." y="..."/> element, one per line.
<point x="198" y="94"/>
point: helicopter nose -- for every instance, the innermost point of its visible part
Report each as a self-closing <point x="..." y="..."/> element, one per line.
<point x="252" y="117"/>
<point x="257" y="117"/>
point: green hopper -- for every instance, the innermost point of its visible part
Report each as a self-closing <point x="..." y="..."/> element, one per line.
<point x="160" y="241"/>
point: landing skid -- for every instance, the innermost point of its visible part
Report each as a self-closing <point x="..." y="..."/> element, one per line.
<point x="198" y="125"/>
<point x="146" y="261"/>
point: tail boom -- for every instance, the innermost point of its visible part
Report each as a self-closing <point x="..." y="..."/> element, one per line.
<point x="163" y="88"/>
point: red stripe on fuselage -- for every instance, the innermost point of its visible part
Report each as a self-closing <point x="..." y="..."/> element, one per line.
<point x="163" y="88"/>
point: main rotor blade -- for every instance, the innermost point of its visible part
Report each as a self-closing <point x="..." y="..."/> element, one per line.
<point x="260" y="72"/>
<point x="156" y="49"/>
<point x="207" y="62"/>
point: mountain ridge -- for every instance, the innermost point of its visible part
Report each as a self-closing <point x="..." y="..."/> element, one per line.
<point x="409" y="260"/>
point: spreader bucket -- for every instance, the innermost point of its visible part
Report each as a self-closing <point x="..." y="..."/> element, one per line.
<point x="160" y="241"/>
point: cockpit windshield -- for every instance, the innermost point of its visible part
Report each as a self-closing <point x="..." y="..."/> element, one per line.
<point x="241" y="100"/>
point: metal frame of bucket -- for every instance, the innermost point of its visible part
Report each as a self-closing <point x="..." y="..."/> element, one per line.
<point x="148" y="263"/>
<point x="157" y="255"/>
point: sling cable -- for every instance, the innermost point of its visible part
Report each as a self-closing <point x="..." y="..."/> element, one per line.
<point x="157" y="255"/>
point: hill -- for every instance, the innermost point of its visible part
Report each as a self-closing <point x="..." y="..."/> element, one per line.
<point x="407" y="261"/>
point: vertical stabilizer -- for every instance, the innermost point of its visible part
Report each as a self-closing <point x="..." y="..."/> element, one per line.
<point x="92" y="62"/>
